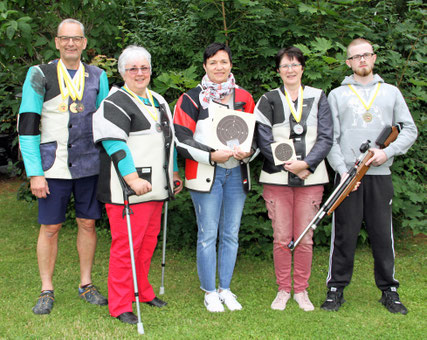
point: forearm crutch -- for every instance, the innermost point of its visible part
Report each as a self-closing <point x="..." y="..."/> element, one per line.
<point x="165" y="223"/>
<point x="127" y="211"/>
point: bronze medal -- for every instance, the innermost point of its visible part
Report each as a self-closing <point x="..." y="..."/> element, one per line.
<point x="80" y="107"/>
<point x="63" y="107"/>
<point x="367" y="117"/>
<point x="298" y="129"/>
<point x="73" y="107"/>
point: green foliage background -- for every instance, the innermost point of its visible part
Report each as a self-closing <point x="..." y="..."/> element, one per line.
<point x="176" y="33"/>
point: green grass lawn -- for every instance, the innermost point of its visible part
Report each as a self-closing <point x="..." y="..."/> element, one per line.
<point x="185" y="317"/>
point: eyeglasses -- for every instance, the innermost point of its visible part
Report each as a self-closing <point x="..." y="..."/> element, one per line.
<point x="134" y="70"/>
<point x="358" y="57"/>
<point x="64" y="39"/>
<point x="289" y="66"/>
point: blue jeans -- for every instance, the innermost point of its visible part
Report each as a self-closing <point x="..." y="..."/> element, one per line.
<point x="218" y="215"/>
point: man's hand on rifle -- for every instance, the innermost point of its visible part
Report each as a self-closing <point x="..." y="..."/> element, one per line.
<point x="298" y="168"/>
<point x="378" y="158"/>
<point x="344" y="177"/>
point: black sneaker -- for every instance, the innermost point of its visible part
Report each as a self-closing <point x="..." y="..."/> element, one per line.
<point x="45" y="302"/>
<point x="390" y="299"/>
<point x="334" y="299"/>
<point x="128" y="317"/>
<point x="91" y="294"/>
<point x="156" y="302"/>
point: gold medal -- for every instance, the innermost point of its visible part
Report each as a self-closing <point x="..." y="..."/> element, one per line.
<point x="73" y="107"/>
<point x="63" y="107"/>
<point x="80" y="107"/>
<point x="367" y="117"/>
<point x="71" y="87"/>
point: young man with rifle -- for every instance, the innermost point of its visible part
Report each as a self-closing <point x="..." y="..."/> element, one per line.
<point x="361" y="107"/>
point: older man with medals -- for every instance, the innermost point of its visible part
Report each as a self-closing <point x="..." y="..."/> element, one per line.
<point x="60" y="157"/>
<point x="296" y="117"/>
<point x="361" y="107"/>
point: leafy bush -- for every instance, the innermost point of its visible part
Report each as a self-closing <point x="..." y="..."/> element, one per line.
<point x="176" y="33"/>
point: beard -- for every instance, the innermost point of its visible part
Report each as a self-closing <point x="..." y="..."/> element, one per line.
<point x="363" y="72"/>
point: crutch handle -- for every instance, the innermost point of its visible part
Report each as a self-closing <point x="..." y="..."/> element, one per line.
<point x="128" y="190"/>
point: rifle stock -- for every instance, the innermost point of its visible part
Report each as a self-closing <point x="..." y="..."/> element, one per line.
<point x="360" y="172"/>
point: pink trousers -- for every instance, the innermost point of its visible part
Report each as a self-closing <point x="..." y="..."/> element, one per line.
<point x="291" y="209"/>
<point x="145" y="222"/>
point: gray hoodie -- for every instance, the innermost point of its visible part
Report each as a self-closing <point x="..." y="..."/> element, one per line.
<point x="351" y="130"/>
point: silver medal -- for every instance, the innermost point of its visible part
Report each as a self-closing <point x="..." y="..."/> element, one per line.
<point x="298" y="129"/>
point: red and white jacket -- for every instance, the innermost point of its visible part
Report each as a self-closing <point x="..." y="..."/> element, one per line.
<point x="192" y="129"/>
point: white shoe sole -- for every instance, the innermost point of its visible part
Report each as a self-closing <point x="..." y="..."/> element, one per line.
<point x="233" y="309"/>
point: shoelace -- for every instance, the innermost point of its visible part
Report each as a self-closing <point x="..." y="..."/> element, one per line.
<point x="229" y="293"/>
<point x="392" y="296"/>
<point x="305" y="298"/>
<point x="45" y="297"/>
<point x="332" y="296"/>
<point x="282" y="296"/>
<point x="90" y="289"/>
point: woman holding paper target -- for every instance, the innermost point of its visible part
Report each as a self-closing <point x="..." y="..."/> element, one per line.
<point x="294" y="133"/>
<point x="218" y="178"/>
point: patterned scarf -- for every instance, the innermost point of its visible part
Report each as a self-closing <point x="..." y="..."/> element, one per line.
<point x="214" y="91"/>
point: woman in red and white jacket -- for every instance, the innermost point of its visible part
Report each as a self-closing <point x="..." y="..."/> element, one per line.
<point x="218" y="179"/>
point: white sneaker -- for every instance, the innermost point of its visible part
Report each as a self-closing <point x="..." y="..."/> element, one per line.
<point x="213" y="302"/>
<point x="229" y="299"/>
<point x="303" y="301"/>
<point x="279" y="303"/>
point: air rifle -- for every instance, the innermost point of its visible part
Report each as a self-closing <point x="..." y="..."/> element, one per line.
<point x="355" y="175"/>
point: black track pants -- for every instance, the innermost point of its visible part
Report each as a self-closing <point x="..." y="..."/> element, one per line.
<point x="371" y="203"/>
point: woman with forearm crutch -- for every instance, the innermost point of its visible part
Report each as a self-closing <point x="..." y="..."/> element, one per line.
<point x="134" y="126"/>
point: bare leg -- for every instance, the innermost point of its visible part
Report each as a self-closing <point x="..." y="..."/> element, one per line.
<point x="47" y="249"/>
<point x="86" y="245"/>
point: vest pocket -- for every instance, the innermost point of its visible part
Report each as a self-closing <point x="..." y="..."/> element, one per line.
<point x="144" y="173"/>
<point x="48" y="154"/>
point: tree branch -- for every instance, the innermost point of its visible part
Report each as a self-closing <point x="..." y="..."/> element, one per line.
<point x="410" y="54"/>
<point x="225" y="22"/>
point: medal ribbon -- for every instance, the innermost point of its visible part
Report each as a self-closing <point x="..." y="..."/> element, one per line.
<point x="367" y="107"/>
<point x="297" y="114"/>
<point x="73" y="87"/>
<point x="150" y="99"/>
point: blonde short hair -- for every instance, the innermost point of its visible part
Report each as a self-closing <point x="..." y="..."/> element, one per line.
<point x="358" y="41"/>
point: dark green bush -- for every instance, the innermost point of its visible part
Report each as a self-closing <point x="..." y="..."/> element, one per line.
<point x="176" y="33"/>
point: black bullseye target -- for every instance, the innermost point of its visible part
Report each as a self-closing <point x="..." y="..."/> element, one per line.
<point x="283" y="152"/>
<point x="232" y="128"/>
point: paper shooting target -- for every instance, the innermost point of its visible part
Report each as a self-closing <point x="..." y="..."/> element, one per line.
<point x="283" y="151"/>
<point x="231" y="128"/>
